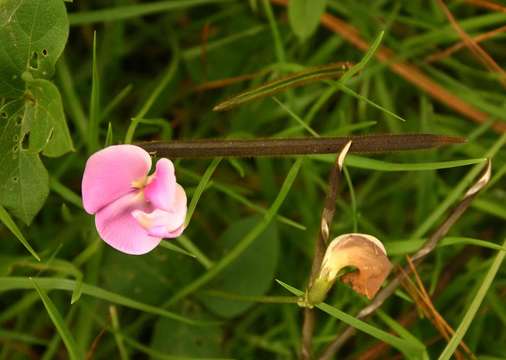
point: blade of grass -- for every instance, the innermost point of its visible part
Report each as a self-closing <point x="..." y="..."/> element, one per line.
<point x="332" y="89"/>
<point x="457" y="190"/>
<point x="94" y="109"/>
<point x="74" y="107"/>
<point x="408" y="246"/>
<point x="8" y="283"/>
<point x="406" y="346"/>
<point x="380" y="165"/>
<point x="18" y="336"/>
<point x="273" y="87"/>
<point x="200" y="189"/>
<point x="117" y="333"/>
<point x="116" y="101"/>
<point x="474" y="306"/>
<point x="195" y="251"/>
<point x="162" y="84"/>
<point x="172" y="247"/>
<point x="225" y="189"/>
<point x="65" y="192"/>
<point x="9" y="223"/>
<point x="296" y="117"/>
<point x="245" y="242"/>
<point x="132" y="11"/>
<point x="278" y="43"/>
<point x="58" y="322"/>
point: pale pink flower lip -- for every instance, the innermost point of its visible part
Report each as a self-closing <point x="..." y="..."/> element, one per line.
<point x="133" y="210"/>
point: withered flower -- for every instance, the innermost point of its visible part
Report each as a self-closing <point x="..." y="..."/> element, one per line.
<point x="363" y="252"/>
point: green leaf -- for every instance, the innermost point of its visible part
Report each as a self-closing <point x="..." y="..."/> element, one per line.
<point x="45" y="119"/>
<point x="59" y="323"/>
<point x="251" y="273"/>
<point x="24" y="182"/>
<point x="175" y="338"/>
<point x="27" y="128"/>
<point x="304" y="16"/>
<point x="32" y="37"/>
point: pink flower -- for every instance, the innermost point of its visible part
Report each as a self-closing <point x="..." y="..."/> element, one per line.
<point x="133" y="211"/>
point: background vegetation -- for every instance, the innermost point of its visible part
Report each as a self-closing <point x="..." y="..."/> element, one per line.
<point x="164" y="65"/>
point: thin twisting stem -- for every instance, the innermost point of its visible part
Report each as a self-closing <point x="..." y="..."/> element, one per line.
<point x="328" y="211"/>
<point x="417" y="258"/>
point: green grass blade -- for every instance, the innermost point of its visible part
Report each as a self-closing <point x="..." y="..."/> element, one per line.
<point x="457" y="190"/>
<point x="200" y="189"/>
<point x="403" y="247"/>
<point x="172" y="247"/>
<point x="132" y="11"/>
<point x="118" y="337"/>
<point x="336" y="85"/>
<point x="244" y="243"/>
<point x="58" y="322"/>
<point x="162" y="84"/>
<point x="94" y="111"/>
<point x="8" y="283"/>
<point x="65" y="192"/>
<point x="296" y="118"/>
<point x="9" y="223"/>
<point x="379" y="165"/>
<point x="365" y="59"/>
<point x="186" y="242"/>
<point x="278" y="43"/>
<point x="405" y="346"/>
<point x="473" y="308"/>
<point x="276" y="86"/>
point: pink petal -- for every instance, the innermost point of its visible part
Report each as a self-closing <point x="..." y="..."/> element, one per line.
<point x="109" y="174"/>
<point x="117" y="227"/>
<point x="166" y="224"/>
<point x="160" y="190"/>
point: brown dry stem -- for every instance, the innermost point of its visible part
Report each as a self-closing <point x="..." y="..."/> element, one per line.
<point x="440" y="55"/>
<point x="328" y="211"/>
<point x="417" y="258"/>
<point x="473" y="46"/>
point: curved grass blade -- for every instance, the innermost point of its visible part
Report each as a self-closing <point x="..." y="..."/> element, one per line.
<point x="379" y="165"/>
<point x="200" y="189"/>
<point x="297" y="79"/>
<point x="473" y="308"/>
<point x="172" y="247"/>
<point x="410" y="246"/>
<point x="407" y="347"/>
<point x="245" y="242"/>
<point x="6" y="219"/>
<point x="58" y="322"/>
<point x="131" y="11"/>
<point x="8" y="283"/>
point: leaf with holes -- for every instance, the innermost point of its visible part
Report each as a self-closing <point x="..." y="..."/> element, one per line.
<point x="304" y="16"/>
<point x="24" y="182"/>
<point x="32" y="37"/>
<point x="45" y="119"/>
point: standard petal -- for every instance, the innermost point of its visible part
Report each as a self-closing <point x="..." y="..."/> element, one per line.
<point x="167" y="224"/>
<point x="109" y="174"/>
<point x="117" y="227"/>
<point x="160" y="190"/>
